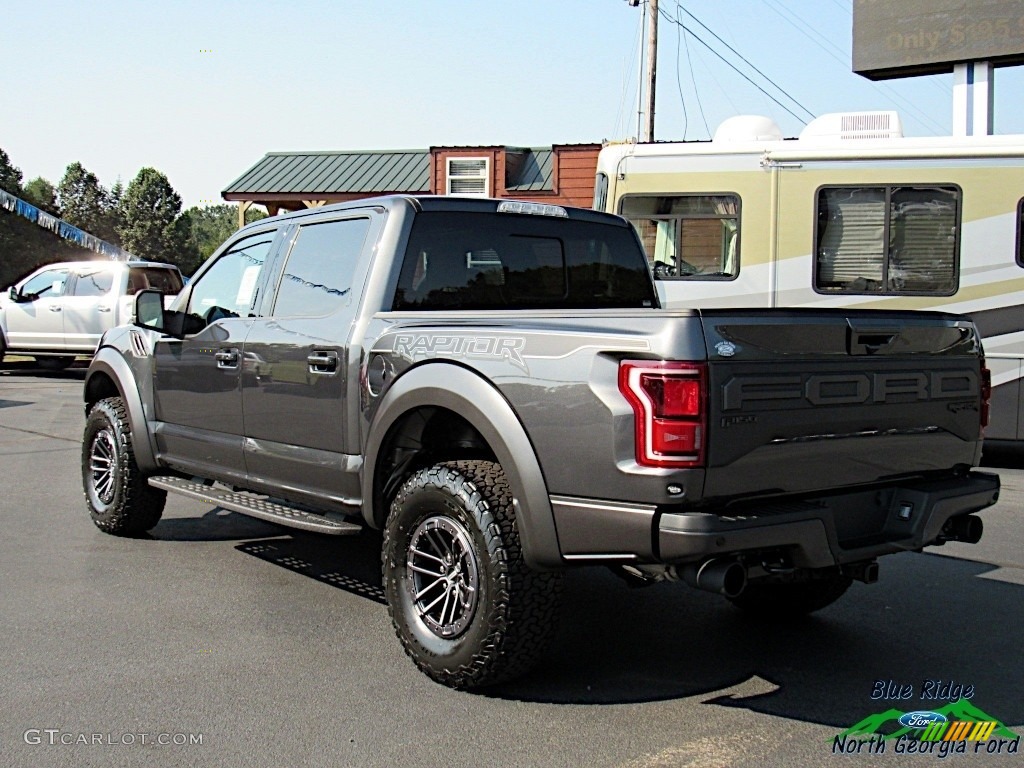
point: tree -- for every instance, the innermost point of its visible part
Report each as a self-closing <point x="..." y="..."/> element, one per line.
<point x="10" y="177"/>
<point x="212" y="225"/>
<point x="43" y="195"/>
<point x="85" y="203"/>
<point x="18" y="243"/>
<point x="152" y="225"/>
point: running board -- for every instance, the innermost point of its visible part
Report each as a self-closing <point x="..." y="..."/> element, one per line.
<point x="255" y="505"/>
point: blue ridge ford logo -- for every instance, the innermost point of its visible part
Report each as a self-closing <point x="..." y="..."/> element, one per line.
<point x="921" y="719"/>
<point x="725" y="348"/>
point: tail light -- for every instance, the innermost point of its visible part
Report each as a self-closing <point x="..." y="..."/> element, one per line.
<point x="669" y="401"/>
<point x="986" y="395"/>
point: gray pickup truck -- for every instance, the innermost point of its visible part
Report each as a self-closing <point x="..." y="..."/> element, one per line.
<point x="493" y="384"/>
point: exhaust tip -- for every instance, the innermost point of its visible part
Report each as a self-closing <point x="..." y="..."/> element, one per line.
<point x="723" y="577"/>
<point x="968" y="528"/>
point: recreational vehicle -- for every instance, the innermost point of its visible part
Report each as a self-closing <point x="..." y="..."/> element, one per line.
<point x="850" y="214"/>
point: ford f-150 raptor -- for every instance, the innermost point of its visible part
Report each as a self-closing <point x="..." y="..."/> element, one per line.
<point x="494" y="385"/>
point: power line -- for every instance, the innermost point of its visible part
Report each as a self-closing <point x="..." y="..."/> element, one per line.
<point x="742" y="74"/>
<point x="744" y="60"/>
<point x="679" y="84"/>
<point x="843" y="57"/>
<point x="627" y="78"/>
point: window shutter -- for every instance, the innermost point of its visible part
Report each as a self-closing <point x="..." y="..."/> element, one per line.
<point x="468" y="176"/>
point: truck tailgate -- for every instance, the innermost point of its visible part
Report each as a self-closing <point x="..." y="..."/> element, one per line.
<point x="806" y="400"/>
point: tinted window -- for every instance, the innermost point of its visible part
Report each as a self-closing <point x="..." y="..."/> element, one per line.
<point x="157" y="278"/>
<point x="505" y="261"/>
<point x="688" y="236"/>
<point x="318" y="275"/>
<point x="47" y="283"/>
<point x="96" y="282"/>
<point x="887" y="240"/>
<point x="228" y="287"/>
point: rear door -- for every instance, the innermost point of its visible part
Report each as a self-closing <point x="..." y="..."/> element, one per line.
<point x="805" y="400"/>
<point x="295" y="377"/>
<point x="90" y="305"/>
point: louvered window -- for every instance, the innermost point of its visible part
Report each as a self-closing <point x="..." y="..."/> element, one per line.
<point x="468" y="176"/>
<point x="887" y="240"/>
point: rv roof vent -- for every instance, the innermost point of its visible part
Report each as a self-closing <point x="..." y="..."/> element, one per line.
<point x="748" y="128"/>
<point x="846" y="126"/>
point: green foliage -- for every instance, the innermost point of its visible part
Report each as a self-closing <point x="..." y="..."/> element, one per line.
<point x="10" y="177"/>
<point x="86" y="204"/>
<point x="42" y="194"/>
<point x="152" y="225"/>
<point x="212" y="225"/>
<point x="147" y="214"/>
<point x="23" y="245"/>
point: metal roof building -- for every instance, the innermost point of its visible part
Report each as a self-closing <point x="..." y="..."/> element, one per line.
<point x="292" y="180"/>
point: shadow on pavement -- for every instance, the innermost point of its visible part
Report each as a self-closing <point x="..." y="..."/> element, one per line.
<point x="25" y="367"/>
<point x="1006" y="456"/>
<point x="216" y="525"/>
<point x="929" y="618"/>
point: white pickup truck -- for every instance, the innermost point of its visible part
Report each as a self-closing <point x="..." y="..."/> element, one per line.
<point x="60" y="311"/>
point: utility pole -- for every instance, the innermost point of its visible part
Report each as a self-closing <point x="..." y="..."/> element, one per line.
<point x="652" y="70"/>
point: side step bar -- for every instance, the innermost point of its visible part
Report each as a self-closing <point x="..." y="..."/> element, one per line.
<point x="255" y="505"/>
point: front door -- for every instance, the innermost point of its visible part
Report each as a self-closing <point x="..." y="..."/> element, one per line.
<point x="37" y="321"/>
<point x="197" y="388"/>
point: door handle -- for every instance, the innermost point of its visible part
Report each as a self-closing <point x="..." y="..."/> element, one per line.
<point x="323" y="363"/>
<point x="54" y="308"/>
<point x="103" y="309"/>
<point x="226" y="358"/>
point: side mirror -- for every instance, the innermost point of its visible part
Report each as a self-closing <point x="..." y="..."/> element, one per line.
<point x="149" y="310"/>
<point x="13" y="293"/>
<point x="151" y="315"/>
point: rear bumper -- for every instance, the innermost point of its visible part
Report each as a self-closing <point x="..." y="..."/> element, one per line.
<point x="814" y="533"/>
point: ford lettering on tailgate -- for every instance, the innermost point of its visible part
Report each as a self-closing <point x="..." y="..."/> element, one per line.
<point x="849" y="388"/>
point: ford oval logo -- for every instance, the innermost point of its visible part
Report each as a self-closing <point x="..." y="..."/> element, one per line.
<point x="921" y="719"/>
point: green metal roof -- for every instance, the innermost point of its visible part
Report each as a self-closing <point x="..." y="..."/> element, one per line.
<point x="536" y="173"/>
<point x="336" y="172"/>
<point x="374" y="171"/>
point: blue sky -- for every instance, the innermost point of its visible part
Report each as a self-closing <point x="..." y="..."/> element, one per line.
<point x="202" y="90"/>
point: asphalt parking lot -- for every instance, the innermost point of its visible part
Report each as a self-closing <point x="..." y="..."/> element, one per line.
<point x="222" y="640"/>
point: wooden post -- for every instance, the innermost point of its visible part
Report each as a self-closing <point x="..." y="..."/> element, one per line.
<point x="243" y="206"/>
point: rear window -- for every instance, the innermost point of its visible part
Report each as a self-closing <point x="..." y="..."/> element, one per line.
<point x="158" y="278"/>
<point x="504" y="261"/>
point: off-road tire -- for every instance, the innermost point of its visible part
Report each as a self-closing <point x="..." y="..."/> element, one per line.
<point x="788" y="600"/>
<point x="514" y="609"/>
<point x="54" y="363"/>
<point x="120" y="500"/>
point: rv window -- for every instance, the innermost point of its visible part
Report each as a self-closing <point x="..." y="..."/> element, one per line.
<point x="887" y="240"/>
<point x="600" y="191"/>
<point x="693" y="237"/>
<point x="1020" y="233"/>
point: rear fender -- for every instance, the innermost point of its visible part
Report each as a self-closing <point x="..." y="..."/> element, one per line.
<point x="463" y="391"/>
